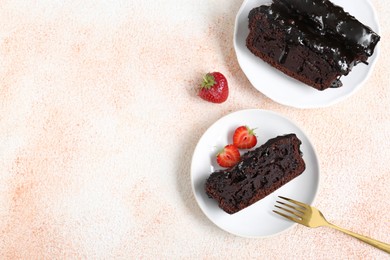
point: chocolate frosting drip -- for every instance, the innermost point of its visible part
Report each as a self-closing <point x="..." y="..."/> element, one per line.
<point x="300" y="33"/>
<point x="330" y="20"/>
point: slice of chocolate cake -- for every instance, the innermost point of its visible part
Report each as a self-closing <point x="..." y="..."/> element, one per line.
<point x="312" y="41"/>
<point x="258" y="173"/>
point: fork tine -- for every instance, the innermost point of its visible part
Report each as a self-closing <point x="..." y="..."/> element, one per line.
<point x="303" y="205"/>
<point x="288" y="217"/>
<point x="296" y="214"/>
<point x="299" y="210"/>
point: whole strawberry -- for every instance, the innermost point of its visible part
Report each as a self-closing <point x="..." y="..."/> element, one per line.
<point x="214" y="88"/>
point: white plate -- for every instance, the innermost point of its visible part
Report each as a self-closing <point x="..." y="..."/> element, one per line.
<point x="257" y="220"/>
<point x="287" y="91"/>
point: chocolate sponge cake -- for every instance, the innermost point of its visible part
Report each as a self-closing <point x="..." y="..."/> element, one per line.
<point x="258" y="173"/>
<point x="312" y="41"/>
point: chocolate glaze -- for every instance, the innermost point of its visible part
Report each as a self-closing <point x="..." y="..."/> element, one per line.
<point x="258" y="173"/>
<point x="330" y="20"/>
<point x="300" y="33"/>
<point x="313" y="41"/>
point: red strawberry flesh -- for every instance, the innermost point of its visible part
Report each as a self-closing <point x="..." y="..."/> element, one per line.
<point x="229" y="156"/>
<point x="244" y="137"/>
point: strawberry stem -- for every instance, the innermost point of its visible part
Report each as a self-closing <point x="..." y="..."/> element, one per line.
<point x="251" y="131"/>
<point x="208" y="81"/>
<point x="220" y="150"/>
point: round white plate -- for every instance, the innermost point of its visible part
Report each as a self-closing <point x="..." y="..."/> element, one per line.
<point x="257" y="220"/>
<point x="288" y="91"/>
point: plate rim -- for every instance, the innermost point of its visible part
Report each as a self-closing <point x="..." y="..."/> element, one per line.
<point x="322" y="105"/>
<point x="273" y="113"/>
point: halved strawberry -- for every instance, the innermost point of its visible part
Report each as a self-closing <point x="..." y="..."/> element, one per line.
<point x="244" y="137"/>
<point x="229" y="156"/>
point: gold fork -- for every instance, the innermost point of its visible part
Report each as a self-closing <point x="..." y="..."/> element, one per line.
<point x="311" y="217"/>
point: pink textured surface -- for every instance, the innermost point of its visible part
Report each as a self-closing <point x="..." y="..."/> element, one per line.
<point x="99" y="118"/>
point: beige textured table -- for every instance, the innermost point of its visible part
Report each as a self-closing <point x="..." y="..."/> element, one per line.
<point x="99" y="119"/>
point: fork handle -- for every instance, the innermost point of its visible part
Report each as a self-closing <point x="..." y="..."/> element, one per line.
<point x="378" y="244"/>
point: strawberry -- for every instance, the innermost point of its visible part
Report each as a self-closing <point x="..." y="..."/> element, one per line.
<point x="244" y="137"/>
<point x="214" y="88"/>
<point x="229" y="156"/>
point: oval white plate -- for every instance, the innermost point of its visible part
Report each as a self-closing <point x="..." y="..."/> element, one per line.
<point x="287" y="91"/>
<point x="258" y="220"/>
